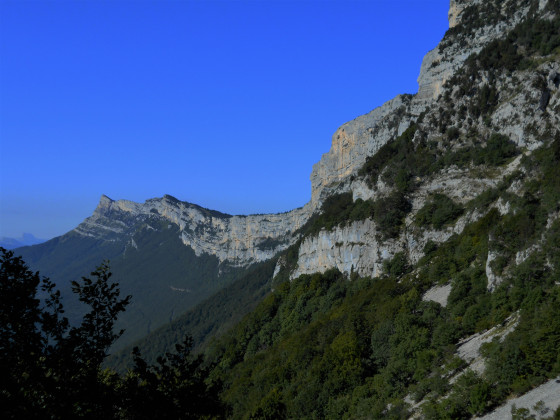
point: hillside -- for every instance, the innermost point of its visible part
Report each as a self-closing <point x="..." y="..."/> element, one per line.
<point x="427" y="282"/>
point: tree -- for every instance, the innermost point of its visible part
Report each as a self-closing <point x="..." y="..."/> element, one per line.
<point x="21" y="342"/>
<point x="49" y="368"/>
<point x="176" y="388"/>
<point x="53" y="370"/>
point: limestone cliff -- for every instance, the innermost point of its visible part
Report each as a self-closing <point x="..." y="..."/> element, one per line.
<point x="526" y="108"/>
<point x="238" y="240"/>
<point x="363" y="136"/>
<point x="351" y="249"/>
<point x="242" y="240"/>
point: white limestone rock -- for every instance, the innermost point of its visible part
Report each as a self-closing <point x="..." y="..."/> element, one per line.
<point x="438" y="294"/>
<point x="352" y="248"/>
<point x="238" y="240"/>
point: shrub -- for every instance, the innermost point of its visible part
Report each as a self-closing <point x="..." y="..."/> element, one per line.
<point x="438" y="211"/>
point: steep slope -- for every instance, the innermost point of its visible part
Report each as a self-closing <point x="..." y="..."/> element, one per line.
<point x="492" y="83"/>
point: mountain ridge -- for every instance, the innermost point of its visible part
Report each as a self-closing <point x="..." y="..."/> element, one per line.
<point x="470" y="247"/>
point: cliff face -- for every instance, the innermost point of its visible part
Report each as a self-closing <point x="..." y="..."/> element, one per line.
<point x="525" y="107"/>
<point x="350" y="249"/>
<point x="237" y="240"/>
<point x="363" y="136"/>
<point x="356" y="140"/>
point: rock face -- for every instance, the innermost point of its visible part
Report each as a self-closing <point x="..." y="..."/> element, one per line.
<point x="455" y="9"/>
<point x="237" y="240"/>
<point x="356" y="247"/>
<point x="353" y="248"/>
<point x="353" y="142"/>
<point x="548" y="395"/>
<point x="443" y="61"/>
<point x="363" y="136"/>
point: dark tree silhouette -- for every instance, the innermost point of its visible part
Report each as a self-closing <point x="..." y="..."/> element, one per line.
<point x="50" y="369"/>
<point x="53" y="370"/>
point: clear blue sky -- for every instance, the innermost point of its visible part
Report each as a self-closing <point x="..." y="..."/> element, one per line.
<point x="226" y="104"/>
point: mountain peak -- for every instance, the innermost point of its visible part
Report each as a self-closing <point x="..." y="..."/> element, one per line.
<point x="104" y="205"/>
<point x="104" y="200"/>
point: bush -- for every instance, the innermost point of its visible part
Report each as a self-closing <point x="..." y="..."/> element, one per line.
<point x="389" y="214"/>
<point x="397" y="266"/>
<point x="499" y="149"/>
<point x="438" y="211"/>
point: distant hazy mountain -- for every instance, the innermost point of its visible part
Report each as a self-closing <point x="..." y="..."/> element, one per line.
<point x="25" y="240"/>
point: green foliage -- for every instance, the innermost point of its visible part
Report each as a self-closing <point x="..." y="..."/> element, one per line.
<point x="397" y="266"/>
<point x="329" y="347"/>
<point x="210" y="319"/>
<point x="389" y="213"/>
<point x="496" y="151"/>
<point x="175" y="388"/>
<point x="532" y="37"/>
<point x="96" y="334"/>
<point x="470" y="396"/>
<point x="324" y="347"/>
<point x="438" y="211"/>
<point x="401" y="162"/>
<point x="499" y="149"/>
<point x="530" y="354"/>
<point x="337" y="210"/>
<point x="50" y="369"/>
<point x="393" y="151"/>
<point x="271" y="407"/>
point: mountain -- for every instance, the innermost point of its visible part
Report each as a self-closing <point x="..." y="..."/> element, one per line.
<point x="169" y="255"/>
<point x="422" y="278"/>
<point x="442" y="209"/>
<point x="25" y="240"/>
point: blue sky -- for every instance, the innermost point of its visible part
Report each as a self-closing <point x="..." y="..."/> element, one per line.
<point x="226" y="104"/>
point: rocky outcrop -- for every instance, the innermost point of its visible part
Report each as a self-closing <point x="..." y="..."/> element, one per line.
<point x="441" y="63"/>
<point x="237" y="240"/>
<point x="351" y="249"/>
<point x="363" y="136"/>
<point x="438" y="294"/>
<point x="455" y="10"/>
<point x="354" y="141"/>
<point x="469" y="348"/>
<point x="540" y="402"/>
<point x="337" y="171"/>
